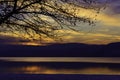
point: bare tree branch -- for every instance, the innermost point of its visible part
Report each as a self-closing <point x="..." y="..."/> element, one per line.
<point x="44" y="16"/>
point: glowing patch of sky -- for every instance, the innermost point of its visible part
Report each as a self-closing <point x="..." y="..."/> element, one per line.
<point x="108" y="25"/>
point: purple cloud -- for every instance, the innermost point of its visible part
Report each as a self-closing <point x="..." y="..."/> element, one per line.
<point x="10" y="40"/>
<point x="115" y="6"/>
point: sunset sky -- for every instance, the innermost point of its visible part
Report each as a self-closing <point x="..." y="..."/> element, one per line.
<point x="106" y="29"/>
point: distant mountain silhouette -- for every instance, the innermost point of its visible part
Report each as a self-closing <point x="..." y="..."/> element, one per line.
<point x="61" y="50"/>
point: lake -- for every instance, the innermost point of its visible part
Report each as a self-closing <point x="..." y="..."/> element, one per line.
<point x="59" y="68"/>
<point x="60" y="65"/>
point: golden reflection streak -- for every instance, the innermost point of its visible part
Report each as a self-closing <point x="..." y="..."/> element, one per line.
<point x="63" y="59"/>
<point x="45" y="70"/>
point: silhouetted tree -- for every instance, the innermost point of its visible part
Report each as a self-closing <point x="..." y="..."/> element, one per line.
<point x="44" y="17"/>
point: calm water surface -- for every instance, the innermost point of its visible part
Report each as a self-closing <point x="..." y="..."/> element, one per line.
<point x="60" y="65"/>
<point x="36" y="68"/>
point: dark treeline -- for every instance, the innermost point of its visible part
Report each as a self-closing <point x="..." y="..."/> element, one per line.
<point x="61" y="50"/>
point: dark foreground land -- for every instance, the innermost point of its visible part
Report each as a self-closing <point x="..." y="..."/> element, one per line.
<point x="57" y="77"/>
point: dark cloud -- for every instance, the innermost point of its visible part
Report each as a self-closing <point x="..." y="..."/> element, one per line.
<point x="116" y="9"/>
<point x="115" y="6"/>
<point x="11" y="40"/>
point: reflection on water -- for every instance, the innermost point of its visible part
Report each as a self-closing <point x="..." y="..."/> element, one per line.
<point x="63" y="59"/>
<point x="60" y="65"/>
<point x="39" y="69"/>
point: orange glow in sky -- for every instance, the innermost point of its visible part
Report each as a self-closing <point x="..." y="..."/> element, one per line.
<point x="107" y="29"/>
